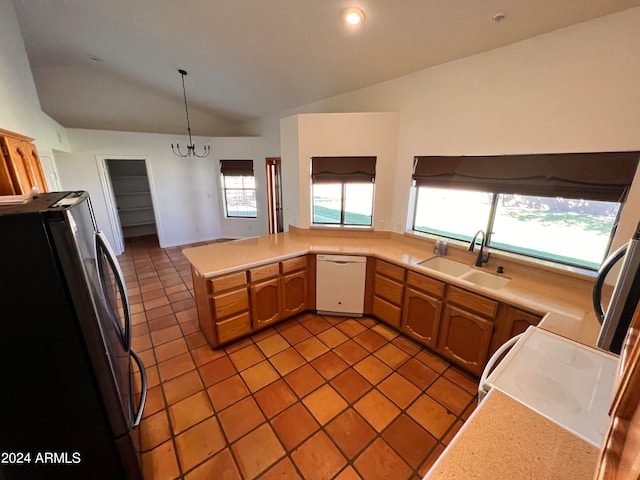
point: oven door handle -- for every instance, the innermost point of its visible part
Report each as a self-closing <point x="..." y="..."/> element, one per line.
<point x="483" y="388"/>
<point x="143" y="389"/>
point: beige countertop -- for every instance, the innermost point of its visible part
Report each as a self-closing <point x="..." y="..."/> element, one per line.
<point x="564" y="297"/>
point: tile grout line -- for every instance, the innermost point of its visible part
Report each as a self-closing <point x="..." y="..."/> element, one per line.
<point x="277" y="330"/>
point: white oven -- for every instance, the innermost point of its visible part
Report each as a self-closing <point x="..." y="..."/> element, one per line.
<point x="567" y="382"/>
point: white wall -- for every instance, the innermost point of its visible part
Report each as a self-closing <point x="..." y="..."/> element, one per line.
<point x="575" y="89"/>
<point x="342" y="134"/>
<point x="290" y="169"/>
<point x="20" y="107"/>
<point x="186" y="191"/>
<point x="249" y="148"/>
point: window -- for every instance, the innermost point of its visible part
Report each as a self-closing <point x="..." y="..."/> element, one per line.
<point x="560" y="207"/>
<point x="239" y="187"/>
<point x="342" y="190"/>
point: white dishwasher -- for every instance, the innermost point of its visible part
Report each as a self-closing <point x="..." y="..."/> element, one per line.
<point x="340" y="283"/>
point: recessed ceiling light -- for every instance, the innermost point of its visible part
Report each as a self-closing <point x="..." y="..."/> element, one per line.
<point x="353" y="16"/>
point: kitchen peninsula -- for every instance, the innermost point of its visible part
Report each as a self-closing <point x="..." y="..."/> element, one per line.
<point x="561" y="298"/>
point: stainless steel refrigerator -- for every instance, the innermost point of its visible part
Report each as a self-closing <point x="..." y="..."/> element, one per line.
<point x="626" y="294"/>
<point x="72" y="389"/>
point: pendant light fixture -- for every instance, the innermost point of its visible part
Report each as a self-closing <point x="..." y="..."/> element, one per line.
<point x="191" y="148"/>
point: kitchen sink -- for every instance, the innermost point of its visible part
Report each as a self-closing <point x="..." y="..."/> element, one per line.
<point x="444" y="265"/>
<point x="483" y="279"/>
<point x="465" y="272"/>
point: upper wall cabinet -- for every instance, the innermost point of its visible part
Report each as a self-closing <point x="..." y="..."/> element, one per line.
<point x="20" y="168"/>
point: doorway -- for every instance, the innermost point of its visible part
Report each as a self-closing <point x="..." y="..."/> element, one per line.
<point x="274" y="194"/>
<point x="132" y="196"/>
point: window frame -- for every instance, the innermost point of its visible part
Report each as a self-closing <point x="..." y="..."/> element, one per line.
<point x="491" y="220"/>
<point x="590" y="176"/>
<point x="240" y="170"/>
<point x="343" y="192"/>
<point x="343" y="171"/>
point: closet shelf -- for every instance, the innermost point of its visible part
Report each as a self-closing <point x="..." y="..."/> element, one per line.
<point x="135" y="209"/>
<point x="137" y="224"/>
<point x="141" y="192"/>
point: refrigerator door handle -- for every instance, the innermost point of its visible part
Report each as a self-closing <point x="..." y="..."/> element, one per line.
<point x="103" y="244"/>
<point x="599" y="282"/>
<point x="143" y="389"/>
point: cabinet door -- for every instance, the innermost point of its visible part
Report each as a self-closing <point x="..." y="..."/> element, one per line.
<point x="294" y="293"/>
<point x="229" y="303"/>
<point x="32" y="160"/>
<point x="234" y="327"/>
<point x="388" y="289"/>
<point x="510" y="322"/>
<point x="387" y="312"/>
<point x="421" y="316"/>
<point x="23" y="165"/>
<point x="464" y="338"/>
<point x="520" y="321"/>
<point x="265" y="302"/>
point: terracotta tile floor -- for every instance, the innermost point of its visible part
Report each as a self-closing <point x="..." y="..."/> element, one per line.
<point x="316" y="397"/>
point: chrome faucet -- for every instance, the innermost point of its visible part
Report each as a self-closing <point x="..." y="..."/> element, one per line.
<point x="480" y="260"/>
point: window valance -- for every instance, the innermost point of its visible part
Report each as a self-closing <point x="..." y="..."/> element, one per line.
<point x="237" y="168"/>
<point x="343" y="169"/>
<point x="593" y="176"/>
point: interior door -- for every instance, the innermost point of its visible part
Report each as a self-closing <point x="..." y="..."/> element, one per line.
<point x="274" y="195"/>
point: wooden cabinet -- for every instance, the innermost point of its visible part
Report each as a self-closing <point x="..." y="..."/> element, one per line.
<point x="265" y="294"/>
<point x="620" y="454"/>
<point x="20" y="168"/>
<point x="388" y="292"/>
<point x="510" y="321"/>
<point x="223" y="306"/>
<point x="294" y="286"/>
<point x="422" y="308"/>
<point x="466" y="328"/>
<point x="233" y="305"/>
<point x="265" y="302"/>
<point x="464" y="338"/>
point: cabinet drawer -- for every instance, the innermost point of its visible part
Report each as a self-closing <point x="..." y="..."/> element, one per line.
<point x="265" y="271"/>
<point x="226" y="282"/>
<point x="388" y="289"/>
<point x="426" y="284"/>
<point x="230" y="303"/>
<point x="234" y="327"/>
<point x="390" y="270"/>
<point x="386" y="312"/>
<point x="293" y="264"/>
<point x="472" y="302"/>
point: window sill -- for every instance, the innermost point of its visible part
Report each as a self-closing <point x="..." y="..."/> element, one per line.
<point x="346" y="228"/>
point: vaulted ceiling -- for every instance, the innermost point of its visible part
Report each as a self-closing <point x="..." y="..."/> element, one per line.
<point x="113" y="64"/>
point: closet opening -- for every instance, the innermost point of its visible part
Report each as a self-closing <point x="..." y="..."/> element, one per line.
<point x="132" y="195"/>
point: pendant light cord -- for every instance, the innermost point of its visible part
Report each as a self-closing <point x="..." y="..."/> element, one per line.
<point x="186" y="108"/>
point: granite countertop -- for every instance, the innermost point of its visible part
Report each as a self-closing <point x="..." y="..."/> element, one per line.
<point x="506" y="440"/>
